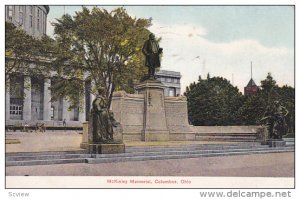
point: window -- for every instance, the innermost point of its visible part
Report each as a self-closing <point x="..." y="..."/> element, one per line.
<point x="52" y="113"/>
<point x="38" y="19"/>
<point x="15" y="109"/>
<point x="31" y="16"/>
<point x="162" y="79"/>
<point x="21" y="15"/>
<point x="169" y="79"/>
<point x="10" y="12"/>
<point x="172" y="92"/>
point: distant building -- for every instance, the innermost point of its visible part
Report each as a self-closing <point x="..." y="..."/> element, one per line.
<point x="251" y="88"/>
<point x="31" y="18"/>
<point x="171" y="80"/>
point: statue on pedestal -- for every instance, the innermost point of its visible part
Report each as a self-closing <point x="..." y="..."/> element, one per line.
<point x="274" y="120"/>
<point x="102" y="120"/>
<point x="152" y="52"/>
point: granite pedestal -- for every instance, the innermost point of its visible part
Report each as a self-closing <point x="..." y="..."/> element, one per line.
<point x="276" y="143"/>
<point x="155" y="123"/>
<point x="106" y="148"/>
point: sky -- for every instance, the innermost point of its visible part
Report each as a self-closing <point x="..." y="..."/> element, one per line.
<point x="219" y="40"/>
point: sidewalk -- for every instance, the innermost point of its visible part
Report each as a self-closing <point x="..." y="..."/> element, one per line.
<point x="70" y="140"/>
<point x="48" y="141"/>
<point x="258" y="165"/>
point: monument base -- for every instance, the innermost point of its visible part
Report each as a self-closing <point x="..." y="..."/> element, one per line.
<point x="156" y="136"/>
<point x="276" y="143"/>
<point x="84" y="145"/>
<point x="106" y="148"/>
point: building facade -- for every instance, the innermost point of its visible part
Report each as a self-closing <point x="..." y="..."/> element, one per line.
<point x="28" y="98"/>
<point x="31" y="18"/>
<point x="171" y="81"/>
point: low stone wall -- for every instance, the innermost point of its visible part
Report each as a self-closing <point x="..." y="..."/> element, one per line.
<point x="129" y="109"/>
<point x="224" y="129"/>
<point x="227" y="133"/>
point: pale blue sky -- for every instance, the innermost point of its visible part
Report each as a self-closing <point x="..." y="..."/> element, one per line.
<point x="223" y="23"/>
<point x="223" y="38"/>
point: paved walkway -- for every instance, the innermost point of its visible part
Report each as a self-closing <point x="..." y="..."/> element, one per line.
<point x="262" y="165"/>
<point x="49" y="141"/>
<point x="259" y="165"/>
<point x="69" y="140"/>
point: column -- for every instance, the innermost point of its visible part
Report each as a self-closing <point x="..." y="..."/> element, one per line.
<point x="82" y="111"/>
<point x="92" y="99"/>
<point x="92" y="96"/>
<point x="27" y="98"/>
<point x="66" y="113"/>
<point x="7" y="100"/>
<point x="47" y="100"/>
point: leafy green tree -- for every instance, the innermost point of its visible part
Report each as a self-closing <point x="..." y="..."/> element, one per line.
<point x="287" y="98"/>
<point x="268" y="83"/>
<point x="254" y="106"/>
<point x="101" y="47"/>
<point x="213" y="101"/>
<point x="252" y="109"/>
<point x="26" y="55"/>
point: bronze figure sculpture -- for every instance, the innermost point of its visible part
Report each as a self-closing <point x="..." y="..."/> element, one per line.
<point x="152" y="52"/>
<point x="101" y="119"/>
<point x="274" y="120"/>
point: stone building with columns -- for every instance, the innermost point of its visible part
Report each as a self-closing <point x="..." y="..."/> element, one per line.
<point x="27" y="98"/>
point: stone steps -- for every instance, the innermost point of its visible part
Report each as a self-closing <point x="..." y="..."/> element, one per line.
<point x="180" y="156"/>
<point x="141" y="153"/>
<point x="228" y="137"/>
<point x="46" y="157"/>
<point x="45" y="162"/>
<point x="194" y="147"/>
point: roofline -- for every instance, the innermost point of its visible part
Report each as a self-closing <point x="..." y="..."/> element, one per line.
<point x="47" y="8"/>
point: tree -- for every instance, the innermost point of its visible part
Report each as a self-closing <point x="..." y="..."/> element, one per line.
<point x="25" y="54"/>
<point x="254" y="106"/>
<point x="213" y="101"/>
<point x="268" y="83"/>
<point x="98" y="46"/>
<point x="252" y="109"/>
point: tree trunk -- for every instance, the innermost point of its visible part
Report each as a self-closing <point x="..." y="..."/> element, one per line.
<point x="111" y="95"/>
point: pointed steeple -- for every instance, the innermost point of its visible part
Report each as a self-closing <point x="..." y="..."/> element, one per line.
<point x="251" y="87"/>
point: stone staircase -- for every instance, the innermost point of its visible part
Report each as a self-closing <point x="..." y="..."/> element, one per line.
<point x="227" y="137"/>
<point x="142" y="153"/>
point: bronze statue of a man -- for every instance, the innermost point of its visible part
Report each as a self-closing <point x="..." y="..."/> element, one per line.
<point x="151" y="50"/>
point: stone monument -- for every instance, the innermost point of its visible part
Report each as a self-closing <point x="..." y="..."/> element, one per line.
<point x="102" y="134"/>
<point x="274" y="122"/>
<point x="155" y="122"/>
<point x="149" y="115"/>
